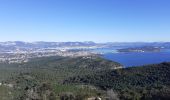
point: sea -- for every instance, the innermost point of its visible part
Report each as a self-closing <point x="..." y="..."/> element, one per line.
<point x="130" y="59"/>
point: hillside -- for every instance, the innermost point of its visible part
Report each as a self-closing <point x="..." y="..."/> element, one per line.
<point x="79" y="78"/>
<point x="151" y="82"/>
<point x="43" y="77"/>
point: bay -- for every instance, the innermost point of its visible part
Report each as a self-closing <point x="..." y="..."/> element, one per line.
<point x="136" y="58"/>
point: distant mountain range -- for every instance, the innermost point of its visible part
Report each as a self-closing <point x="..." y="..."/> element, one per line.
<point x="13" y="45"/>
<point x="24" y="46"/>
<point x="45" y="44"/>
<point x="86" y="43"/>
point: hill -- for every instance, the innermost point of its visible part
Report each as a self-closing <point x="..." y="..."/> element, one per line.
<point x="79" y="78"/>
<point x="150" y="82"/>
<point x="42" y="77"/>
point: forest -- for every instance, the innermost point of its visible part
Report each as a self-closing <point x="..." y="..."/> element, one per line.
<point x="150" y="82"/>
<point x="83" y="78"/>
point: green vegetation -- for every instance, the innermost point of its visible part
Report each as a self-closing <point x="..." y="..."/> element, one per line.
<point x="42" y="78"/>
<point x="61" y="78"/>
<point x="151" y="82"/>
<point x="77" y="91"/>
<point x="6" y="93"/>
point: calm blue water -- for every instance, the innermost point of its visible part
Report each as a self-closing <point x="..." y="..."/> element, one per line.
<point x="137" y="59"/>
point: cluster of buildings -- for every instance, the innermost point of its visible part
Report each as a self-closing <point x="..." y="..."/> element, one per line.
<point x="24" y="56"/>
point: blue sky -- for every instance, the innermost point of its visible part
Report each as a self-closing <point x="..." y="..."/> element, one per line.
<point x="85" y="20"/>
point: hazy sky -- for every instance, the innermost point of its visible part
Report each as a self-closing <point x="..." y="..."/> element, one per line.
<point x="85" y="20"/>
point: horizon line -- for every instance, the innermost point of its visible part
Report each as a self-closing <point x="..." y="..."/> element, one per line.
<point x="91" y="41"/>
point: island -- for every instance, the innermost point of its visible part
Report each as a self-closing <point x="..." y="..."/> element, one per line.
<point x="140" y="49"/>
